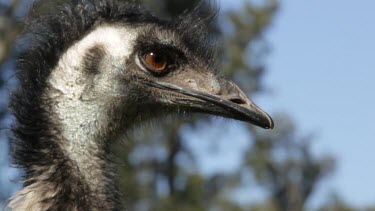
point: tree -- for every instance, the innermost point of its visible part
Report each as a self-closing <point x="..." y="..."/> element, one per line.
<point x="283" y="163"/>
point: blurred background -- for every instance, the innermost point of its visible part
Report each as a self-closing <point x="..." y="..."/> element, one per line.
<point x="308" y="63"/>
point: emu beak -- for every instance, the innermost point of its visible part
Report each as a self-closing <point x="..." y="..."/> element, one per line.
<point x="231" y="102"/>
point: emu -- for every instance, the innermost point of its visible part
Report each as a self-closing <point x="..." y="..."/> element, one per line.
<point x="91" y="71"/>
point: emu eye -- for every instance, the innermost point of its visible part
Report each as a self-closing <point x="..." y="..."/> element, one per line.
<point x="160" y="60"/>
<point x="157" y="61"/>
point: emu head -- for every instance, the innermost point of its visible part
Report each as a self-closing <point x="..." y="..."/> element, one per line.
<point x="128" y="71"/>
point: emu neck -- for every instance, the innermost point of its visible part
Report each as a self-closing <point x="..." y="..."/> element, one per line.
<point x="79" y="174"/>
<point x="82" y="117"/>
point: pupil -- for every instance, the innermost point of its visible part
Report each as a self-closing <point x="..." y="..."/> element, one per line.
<point x="157" y="59"/>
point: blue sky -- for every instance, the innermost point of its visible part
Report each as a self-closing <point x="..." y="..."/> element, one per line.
<point x="321" y="70"/>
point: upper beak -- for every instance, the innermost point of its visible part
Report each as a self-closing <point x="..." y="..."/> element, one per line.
<point x="231" y="102"/>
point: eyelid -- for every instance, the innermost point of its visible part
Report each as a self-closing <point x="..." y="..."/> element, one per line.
<point x="170" y="49"/>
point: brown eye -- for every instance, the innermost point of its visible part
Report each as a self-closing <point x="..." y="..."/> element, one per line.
<point x="156" y="61"/>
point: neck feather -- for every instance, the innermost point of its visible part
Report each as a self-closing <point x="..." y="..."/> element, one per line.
<point x="64" y="135"/>
<point x="66" y="173"/>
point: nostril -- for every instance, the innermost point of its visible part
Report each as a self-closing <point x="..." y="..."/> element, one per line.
<point x="238" y="101"/>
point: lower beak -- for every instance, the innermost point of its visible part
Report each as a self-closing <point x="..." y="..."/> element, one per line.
<point x="231" y="103"/>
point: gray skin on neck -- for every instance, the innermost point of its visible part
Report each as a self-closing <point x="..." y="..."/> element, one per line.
<point x="88" y="108"/>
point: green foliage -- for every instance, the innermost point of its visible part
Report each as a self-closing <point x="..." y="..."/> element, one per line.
<point x="9" y="28"/>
